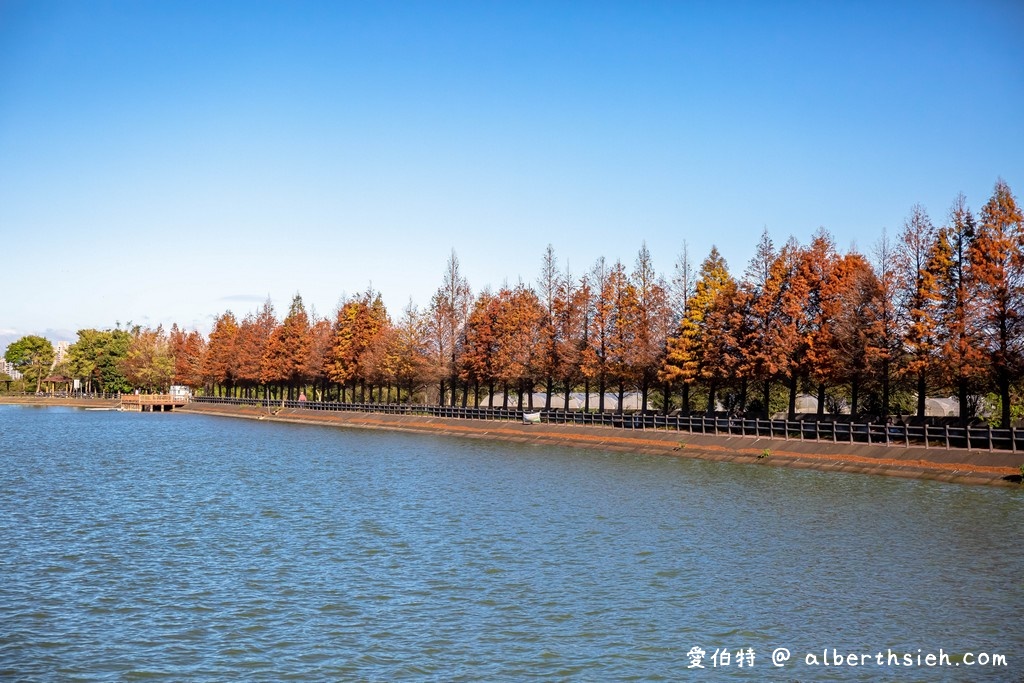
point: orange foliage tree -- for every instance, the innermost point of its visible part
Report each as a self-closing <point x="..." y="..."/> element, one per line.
<point x="220" y="364"/>
<point x="253" y="338"/>
<point x="360" y="321"/>
<point x="997" y="268"/>
<point x="944" y="308"/>
<point x="919" y="296"/>
<point x="688" y="348"/>
<point x="188" y="349"/>
<point x="653" y="318"/>
<point x="517" y="353"/>
<point x="961" y="352"/>
<point x="477" y="360"/>
<point x="449" y="309"/>
<point x="601" y="319"/>
<point x="149" y="364"/>
<point x="286" y="357"/>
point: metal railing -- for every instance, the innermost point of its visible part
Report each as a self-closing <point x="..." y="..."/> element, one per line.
<point x="926" y="436"/>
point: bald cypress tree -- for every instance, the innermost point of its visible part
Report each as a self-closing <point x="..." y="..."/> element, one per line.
<point x="687" y="349"/>
<point x="997" y="269"/>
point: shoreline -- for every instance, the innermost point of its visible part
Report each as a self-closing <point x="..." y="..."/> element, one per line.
<point x="958" y="466"/>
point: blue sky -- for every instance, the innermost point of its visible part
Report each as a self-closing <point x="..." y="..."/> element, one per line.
<point x="165" y="161"/>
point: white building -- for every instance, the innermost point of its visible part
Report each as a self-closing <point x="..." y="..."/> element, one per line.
<point x="60" y="351"/>
<point x="8" y="369"/>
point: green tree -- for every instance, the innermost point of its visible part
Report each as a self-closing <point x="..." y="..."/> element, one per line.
<point x="32" y="356"/>
<point x="97" y="359"/>
<point x="149" y="363"/>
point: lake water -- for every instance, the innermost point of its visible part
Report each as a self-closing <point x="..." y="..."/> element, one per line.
<point x="185" y="547"/>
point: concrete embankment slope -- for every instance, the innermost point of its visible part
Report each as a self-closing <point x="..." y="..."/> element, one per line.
<point x="959" y="466"/>
<point x="68" y="401"/>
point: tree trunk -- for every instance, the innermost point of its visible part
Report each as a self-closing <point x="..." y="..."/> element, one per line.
<point x="1003" y="380"/>
<point x="821" y="399"/>
<point x="453" y="380"/>
<point x="793" y="382"/>
<point x="550" y="389"/>
<point x="961" y="397"/>
<point x="854" y="396"/>
<point x="767" y="398"/>
<point x="885" y="388"/>
<point x="922" y="393"/>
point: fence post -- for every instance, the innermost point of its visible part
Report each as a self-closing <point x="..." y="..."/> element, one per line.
<point x="990" y="438"/>
<point x="1013" y="439"/>
<point x="945" y="433"/>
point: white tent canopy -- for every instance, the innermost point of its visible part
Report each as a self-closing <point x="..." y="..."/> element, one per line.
<point x="577" y="400"/>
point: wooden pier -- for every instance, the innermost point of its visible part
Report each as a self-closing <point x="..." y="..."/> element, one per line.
<point x="152" y="403"/>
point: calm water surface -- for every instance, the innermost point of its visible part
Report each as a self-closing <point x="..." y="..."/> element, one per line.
<point x="184" y="547"/>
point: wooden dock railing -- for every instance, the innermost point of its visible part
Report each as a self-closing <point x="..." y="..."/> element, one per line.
<point x="152" y="402"/>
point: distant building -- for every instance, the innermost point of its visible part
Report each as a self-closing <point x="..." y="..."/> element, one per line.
<point x="60" y="351"/>
<point x="8" y="369"/>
